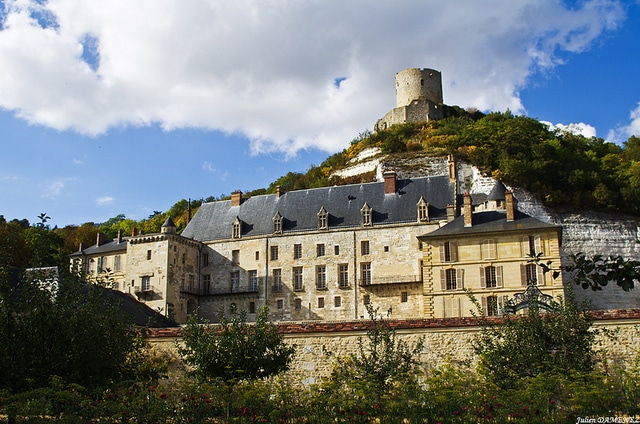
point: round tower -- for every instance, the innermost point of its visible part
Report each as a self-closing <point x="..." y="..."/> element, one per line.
<point x="413" y="84"/>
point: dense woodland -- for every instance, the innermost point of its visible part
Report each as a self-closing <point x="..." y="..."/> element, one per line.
<point x="566" y="171"/>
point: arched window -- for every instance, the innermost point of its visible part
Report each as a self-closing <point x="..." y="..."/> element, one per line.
<point x="277" y="223"/>
<point x="323" y="219"/>
<point x="423" y="210"/>
<point x="366" y="215"/>
<point x="236" y="228"/>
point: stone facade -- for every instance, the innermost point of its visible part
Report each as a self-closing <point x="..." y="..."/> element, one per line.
<point x="418" y="98"/>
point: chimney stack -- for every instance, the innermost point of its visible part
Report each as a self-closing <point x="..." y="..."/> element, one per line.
<point x="278" y="192"/>
<point x="509" y="205"/>
<point x="134" y="232"/>
<point x="452" y="169"/>
<point x="236" y="198"/>
<point x="100" y="239"/>
<point x="389" y="182"/>
<point x="119" y="236"/>
<point x="467" y="210"/>
<point x="451" y="213"/>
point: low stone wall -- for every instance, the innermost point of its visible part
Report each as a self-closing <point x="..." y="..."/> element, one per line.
<point x="446" y="340"/>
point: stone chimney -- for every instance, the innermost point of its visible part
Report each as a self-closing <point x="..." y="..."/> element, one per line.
<point x="100" y="239"/>
<point x="80" y="249"/>
<point x="119" y="236"/>
<point x="134" y="232"/>
<point x="453" y="175"/>
<point x="467" y="210"/>
<point x="509" y="205"/>
<point x="236" y="198"/>
<point x="278" y="192"/>
<point x="451" y="213"/>
<point x="390" y="179"/>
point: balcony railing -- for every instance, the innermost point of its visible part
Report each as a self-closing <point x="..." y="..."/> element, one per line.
<point x="393" y="279"/>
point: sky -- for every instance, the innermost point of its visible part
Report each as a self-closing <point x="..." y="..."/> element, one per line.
<point x="124" y="107"/>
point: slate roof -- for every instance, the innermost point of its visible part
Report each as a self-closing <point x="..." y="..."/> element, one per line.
<point x="300" y="208"/>
<point x="108" y="247"/>
<point x="489" y="222"/>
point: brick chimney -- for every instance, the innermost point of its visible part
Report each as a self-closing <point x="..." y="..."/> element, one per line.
<point x="134" y="232"/>
<point x="236" y="198"/>
<point x="467" y="210"/>
<point x="509" y="205"/>
<point x="389" y="182"/>
<point x="100" y="239"/>
<point x="278" y="192"/>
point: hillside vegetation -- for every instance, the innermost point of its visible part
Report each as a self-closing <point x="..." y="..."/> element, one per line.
<point x="568" y="172"/>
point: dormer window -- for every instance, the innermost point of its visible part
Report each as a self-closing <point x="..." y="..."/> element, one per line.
<point x="423" y="210"/>
<point x="277" y="223"/>
<point x="366" y="215"/>
<point x="236" y="228"/>
<point x="323" y="219"/>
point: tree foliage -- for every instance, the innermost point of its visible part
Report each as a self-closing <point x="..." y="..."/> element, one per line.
<point x="234" y="350"/>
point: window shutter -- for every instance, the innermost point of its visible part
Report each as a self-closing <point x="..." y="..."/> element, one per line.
<point x="538" y="244"/>
<point x="500" y="304"/>
<point x="459" y="279"/>
<point x="498" y="276"/>
<point x="539" y="276"/>
<point x="523" y="274"/>
<point x="453" y="251"/>
<point x="442" y="252"/>
<point x="525" y="246"/>
<point x="485" y="310"/>
<point x="483" y="280"/>
<point x="443" y="279"/>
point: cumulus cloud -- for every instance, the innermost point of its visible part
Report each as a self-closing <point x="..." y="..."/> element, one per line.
<point x="287" y="75"/>
<point x="106" y="200"/>
<point x="623" y="132"/>
<point x="580" y="128"/>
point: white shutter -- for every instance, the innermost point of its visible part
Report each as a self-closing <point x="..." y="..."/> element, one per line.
<point x="459" y="279"/>
<point x="485" y="309"/>
<point x="499" y="276"/>
<point x="443" y="280"/>
<point x="453" y="251"/>
<point x="443" y="255"/>
<point x="538" y="244"/>
<point x="483" y="280"/>
<point x="539" y="276"/>
<point x="523" y="274"/>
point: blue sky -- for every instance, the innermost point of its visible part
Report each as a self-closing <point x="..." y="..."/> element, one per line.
<point x="127" y="107"/>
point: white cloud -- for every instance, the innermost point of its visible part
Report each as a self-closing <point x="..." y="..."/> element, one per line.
<point x="106" y="200"/>
<point x="53" y="189"/>
<point x="207" y="166"/>
<point x="580" y="128"/>
<point x="267" y="70"/>
<point x="623" y="132"/>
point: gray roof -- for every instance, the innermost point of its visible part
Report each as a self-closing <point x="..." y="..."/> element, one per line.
<point x="169" y="223"/>
<point x="110" y="246"/>
<point x="489" y="222"/>
<point x="299" y="209"/>
<point x="497" y="192"/>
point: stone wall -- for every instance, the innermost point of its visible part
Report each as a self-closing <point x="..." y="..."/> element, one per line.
<point x="445" y="340"/>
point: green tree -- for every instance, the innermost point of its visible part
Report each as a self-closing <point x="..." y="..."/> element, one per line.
<point x="234" y="350"/>
<point x="381" y="376"/>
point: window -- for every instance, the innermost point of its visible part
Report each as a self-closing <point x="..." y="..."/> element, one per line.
<point x="205" y="259"/>
<point x="277" y="223"/>
<point x="235" y="257"/>
<point x="274" y="253"/>
<point x="423" y="210"/>
<point x="488" y="249"/>
<point x="343" y="275"/>
<point x="451" y="279"/>
<point x="531" y="245"/>
<point x="297" y="278"/>
<point x="236" y="229"/>
<point x="257" y="255"/>
<point x="297" y="251"/>
<point x="206" y="284"/>
<point x="184" y="258"/>
<point x="404" y="297"/>
<point x="102" y="264"/>
<point x="337" y="301"/>
<point x="277" y="280"/>
<point x="321" y="277"/>
<point x="148" y="254"/>
<point x="323" y="219"/>
<point x="320" y="249"/>
<point x="192" y="282"/>
<point x="491" y="305"/>
<point x="365" y="274"/>
<point x="252" y="307"/>
<point x="320" y="302"/>
<point x="491" y="277"/>
<point x="448" y="252"/>
<point x="116" y="263"/>
<point x="451" y="307"/>
<point x="336" y="250"/>
<point x="386" y="249"/>
<point x="253" y="281"/>
<point x="367" y="299"/>
<point x="297" y="304"/>
<point x="365" y="215"/>
<point x="235" y="281"/>
<point x="364" y="247"/>
<point x="115" y="285"/>
<point x="280" y="304"/>
<point x="531" y="273"/>
<point x="146" y="284"/>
